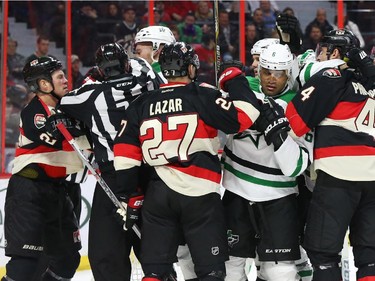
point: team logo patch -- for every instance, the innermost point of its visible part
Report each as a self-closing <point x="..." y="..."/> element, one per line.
<point x="39" y="120"/>
<point x="332" y="73"/>
<point x="232" y="238"/>
<point x="215" y="250"/>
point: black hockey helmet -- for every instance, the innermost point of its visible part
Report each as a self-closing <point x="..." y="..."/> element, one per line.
<point x="175" y="58"/>
<point x="40" y="68"/>
<point x="342" y="39"/>
<point x="112" y="60"/>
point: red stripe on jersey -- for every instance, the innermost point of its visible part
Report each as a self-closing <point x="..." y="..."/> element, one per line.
<point x="346" y="110"/>
<point x="358" y="150"/>
<point x="244" y="120"/>
<point x="199" y="172"/>
<point x="53" y="171"/>
<point x="128" y="150"/>
<point x="367" y="278"/>
<point x="299" y="126"/>
<point x="36" y="150"/>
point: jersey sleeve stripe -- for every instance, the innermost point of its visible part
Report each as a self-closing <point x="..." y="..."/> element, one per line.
<point x="342" y="150"/>
<point x="128" y="151"/>
<point x="298" y="126"/>
<point x="247" y="114"/>
<point x="199" y="172"/>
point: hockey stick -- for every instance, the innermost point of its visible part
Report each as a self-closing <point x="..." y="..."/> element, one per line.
<point x="100" y="180"/>
<point x="217" y="49"/>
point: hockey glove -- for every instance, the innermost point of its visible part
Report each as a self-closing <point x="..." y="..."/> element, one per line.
<point x="130" y="214"/>
<point x="287" y="27"/>
<point x="273" y="123"/>
<point x="228" y="72"/>
<point x="57" y="118"/>
<point x="94" y="74"/>
<point x="358" y="59"/>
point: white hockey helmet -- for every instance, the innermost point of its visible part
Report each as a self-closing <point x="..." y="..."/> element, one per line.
<point x="276" y="57"/>
<point x="156" y="34"/>
<point x="260" y="45"/>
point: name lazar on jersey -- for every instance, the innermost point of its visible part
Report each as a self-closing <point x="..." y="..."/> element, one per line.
<point x="166" y="106"/>
<point x="359" y="89"/>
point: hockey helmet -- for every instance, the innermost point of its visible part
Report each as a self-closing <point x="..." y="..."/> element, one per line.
<point x="342" y="39"/>
<point x="156" y="35"/>
<point x="176" y="57"/>
<point x="40" y="68"/>
<point x="276" y="57"/>
<point x="112" y="60"/>
<point x="260" y="45"/>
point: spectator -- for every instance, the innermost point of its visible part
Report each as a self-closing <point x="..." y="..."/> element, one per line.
<point x="160" y="7"/>
<point x="228" y="37"/>
<point x="314" y="38"/>
<point x="203" y="12"/>
<point x="259" y="23"/>
<point x="42" y="48"/>
<point x="269" y="17"/>
<point x="353" y="27"/>
<point x="251" y="38"/>
<point x="321" y="21"/>
<point x="113" y="12"/>
<point x="56" y="29"/>
<point x="15" y="60"/>
<point x="126" y="29"/>
<point x="177" y="10"/>
<point x="85" y="33"/>
<point x="189" y="31"/>
<point x="206" y="54"/>
<point x="77" y="76"/>
<point x="234" y="11"/>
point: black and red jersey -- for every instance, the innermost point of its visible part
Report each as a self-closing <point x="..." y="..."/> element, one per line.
<point x="53" y="158"/>
<point x="175" y="130"/>
<point x="342" y="111"/>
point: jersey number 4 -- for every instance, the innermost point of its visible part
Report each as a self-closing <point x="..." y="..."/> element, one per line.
<point x="167" y="140"/>
<point x="365" y="121"/>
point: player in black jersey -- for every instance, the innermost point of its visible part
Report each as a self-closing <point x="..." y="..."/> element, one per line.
<point x="39" y="214"/>
<point x="341" y="109"/>
<point x="100" y="105"/>
<point x="174" y="130"/>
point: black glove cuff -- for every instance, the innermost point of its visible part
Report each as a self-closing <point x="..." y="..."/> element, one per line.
<point x="280" y="138"/>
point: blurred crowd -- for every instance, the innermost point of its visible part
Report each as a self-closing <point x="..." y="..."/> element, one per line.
<point x="98" y="22"/>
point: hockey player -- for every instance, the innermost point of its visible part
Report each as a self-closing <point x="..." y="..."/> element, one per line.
<point x="174" y="130"/>
<point x="39" y="214"/>
<point x="340" y="108"/>
<point x="149" y="42"/>
<point x="261" y="185"/>
<point x="100" y="105"/>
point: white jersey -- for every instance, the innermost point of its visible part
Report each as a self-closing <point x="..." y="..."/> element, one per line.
<point x="313" y="67"/>
<point x="254" y="171"/>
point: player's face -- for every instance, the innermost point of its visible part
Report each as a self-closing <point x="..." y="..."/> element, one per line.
<point x="144" y="50"/>
<point x="272" y="81"/>
<point x="255" y="64"/>
<point x="60" y="83"/>
<point x="321" y="54"/>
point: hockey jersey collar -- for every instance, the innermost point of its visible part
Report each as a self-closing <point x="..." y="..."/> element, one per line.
<point x="173" y="84"/>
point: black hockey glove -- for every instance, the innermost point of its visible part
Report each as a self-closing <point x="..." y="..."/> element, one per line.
<point x="228" y="70"/>
<point x="273" y="123"/>
<point x="288" y="29"/>
<point x="59" y="117"/>
<point x="358" y="59"/>
<point x="130" y="214"/>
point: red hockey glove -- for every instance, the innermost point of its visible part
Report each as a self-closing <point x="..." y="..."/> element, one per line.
<point x="130" y="214"/>
<point x="227" y="75"/>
